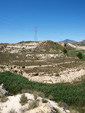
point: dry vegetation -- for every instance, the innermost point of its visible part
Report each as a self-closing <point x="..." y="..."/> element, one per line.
<point x="46" y="62"/>
<point x="45" y="58"/>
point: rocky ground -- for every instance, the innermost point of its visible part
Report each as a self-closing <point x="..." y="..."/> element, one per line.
<point x="66" y="75"/>
<point x="28" y="103"/>
<point x="42" y="61"/>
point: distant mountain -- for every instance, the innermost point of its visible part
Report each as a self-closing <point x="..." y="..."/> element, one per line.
<point x="68" y="41"/>
<point x="82" y="42"/>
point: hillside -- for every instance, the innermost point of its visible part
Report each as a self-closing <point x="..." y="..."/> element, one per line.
<point x="82" y="42"/>
<point x="44" y="61"/>
<point x="49" y="47"/>
<point x="42" y="46"/>
<point x="71" y="94"/>
<point x="46" y="67"/>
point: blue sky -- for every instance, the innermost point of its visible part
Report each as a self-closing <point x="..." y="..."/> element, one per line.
<point x="55" y="20"/>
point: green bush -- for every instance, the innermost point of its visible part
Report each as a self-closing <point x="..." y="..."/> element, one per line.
<point x="65" y="51"/>
<point x="79" y="55"/>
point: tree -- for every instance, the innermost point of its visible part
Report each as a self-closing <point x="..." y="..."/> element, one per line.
<point x="79" y="55"/>
<point x="65" y="44"/>
<point x="65" y="51"/>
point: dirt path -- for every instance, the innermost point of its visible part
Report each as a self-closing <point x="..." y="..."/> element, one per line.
<point x="77" y="47"/>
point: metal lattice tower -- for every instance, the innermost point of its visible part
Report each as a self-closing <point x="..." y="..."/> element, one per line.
<point x="35" y="33"/>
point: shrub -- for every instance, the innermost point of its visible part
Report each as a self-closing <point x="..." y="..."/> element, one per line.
<point x="65" y="51"/>
<point x="3" y="98"/>
<point x="33" y="104"/>
<point x="57" y="74"/>
<point x="41" y="94"/>
<point x="36" y="74"/>
<point x="65" y="44"/>
<point x="14" y="66"/>
<point x="15" y="71"/>
<point x="60" y="103"/>
<point x="11" y="68"/>
<point x="35" y="93"/>
<point x="2" y="67"/>
<point x="23" y="66"/>
<point x="23" y="99"/>
<point x="44" y="100"/>
<point x="79" y="55"/>
<point x="12" y="111"/>
<point x="50" y="97"/>
<point x="57" y="111"/>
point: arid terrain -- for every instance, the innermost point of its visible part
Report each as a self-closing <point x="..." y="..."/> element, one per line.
<point x="42" y="62"/>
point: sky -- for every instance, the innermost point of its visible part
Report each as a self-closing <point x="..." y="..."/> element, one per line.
<point x="56" y="20"/>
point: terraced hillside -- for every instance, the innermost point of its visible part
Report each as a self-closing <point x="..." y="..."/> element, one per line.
<point x="44" y="61"/>
<point x="49" y="68"/>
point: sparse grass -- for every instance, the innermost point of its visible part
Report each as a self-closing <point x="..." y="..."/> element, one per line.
<point x="71" y="65"/>
<point x="50" y="97"/>
<point x="3" y="98"/>
<point x="60" y="103"/>
<point x="44" y="100"/>
<point x="23" y="99"/>
<point x="12" y="111"/>
<point x="36" y="94"/>
<point x="33" y="104"/>
<point x="57" y="111"/>
<point x="75" y="52"/>
<point x="49" y="47"/>
<point x="77" y="109"/>
<point x="83" y="56"/>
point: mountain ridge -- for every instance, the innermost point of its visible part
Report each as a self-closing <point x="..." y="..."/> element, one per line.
<point x="68" y="41"/>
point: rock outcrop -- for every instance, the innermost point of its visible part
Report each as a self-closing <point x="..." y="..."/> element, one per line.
<point x="3" y="90"/>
